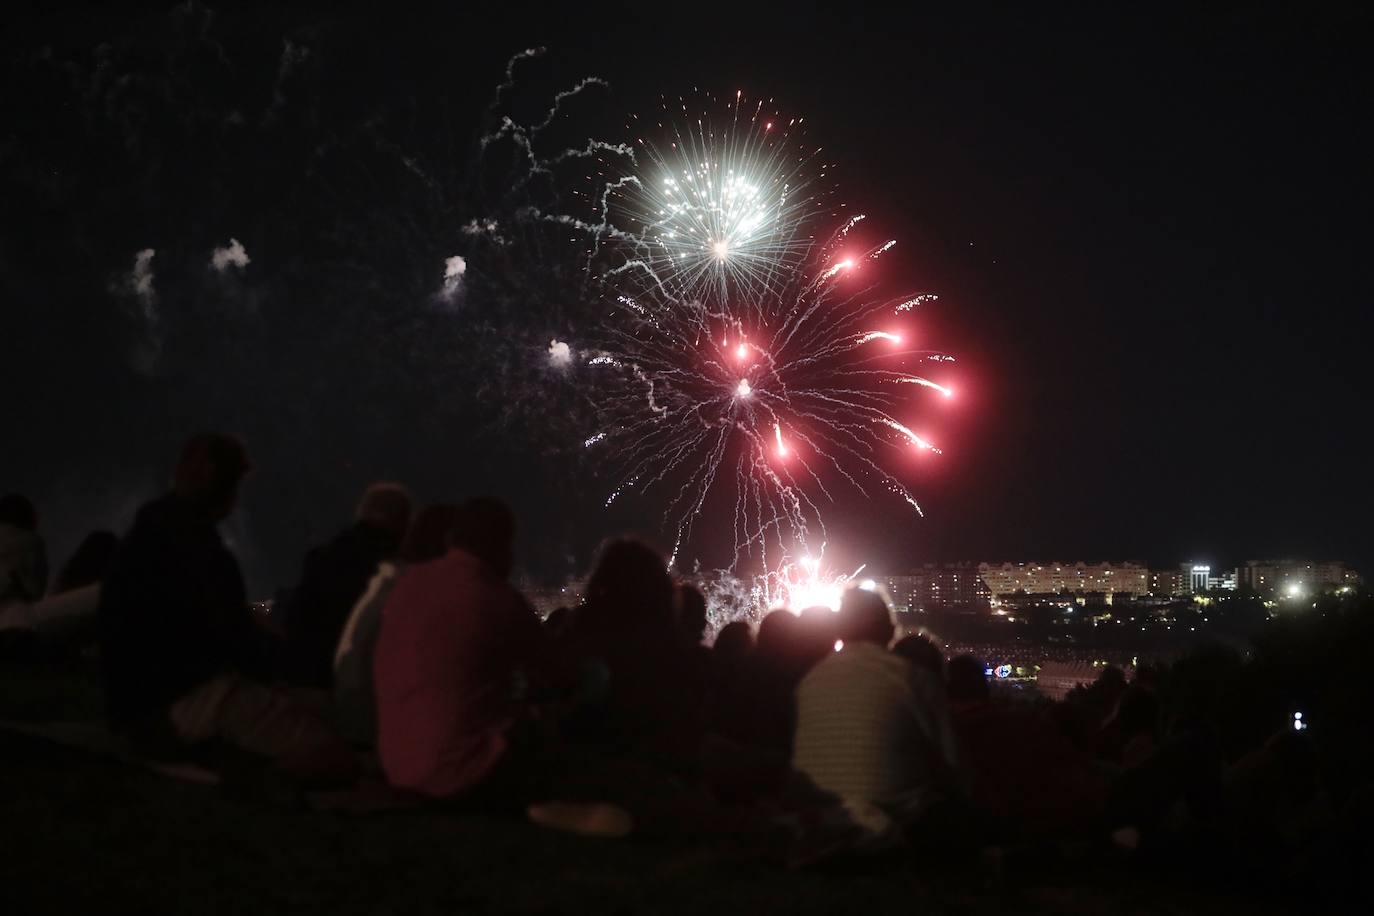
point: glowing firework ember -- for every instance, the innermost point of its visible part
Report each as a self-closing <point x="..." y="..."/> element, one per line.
<point x="784" y="396"/>
<point x="723" y="206"/>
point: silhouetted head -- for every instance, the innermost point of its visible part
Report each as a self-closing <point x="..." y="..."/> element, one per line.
<point x="1293" y="761"/>
<point x="818" y="628"/>
<point x="88" y="564"/>
<point x="16" y="510"/>
<point x="864" y="617"/>
<point x="819" y="618"/>
<point x="966" y="680"/>
<point x="485" y="528"/>
<point x="1137" y="711"/>
<point x="733" y="643"/>
<point x="1112" y="675"/>
<point x="921" y="651"/>
<point x="689" y="608"/>
<point x="208" y="474"/>
<point x="790" y="644"/>
<point x="775" y="636"/>
<point x="430" y="533"/>
<point x="386" y="506"/>
<point x="630" y="586"/>
<point x="1111" y="682"/>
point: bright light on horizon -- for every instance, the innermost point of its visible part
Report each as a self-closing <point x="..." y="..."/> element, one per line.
<point x="812" y="587"/>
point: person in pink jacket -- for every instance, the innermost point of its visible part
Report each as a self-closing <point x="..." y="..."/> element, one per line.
<point x="454" y="640"/>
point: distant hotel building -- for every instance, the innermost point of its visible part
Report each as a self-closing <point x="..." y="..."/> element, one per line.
<point x="1166" y="583"/>
<point x="1295" y="576"/>
<point x="1227" y="582"/>
<point x="942" y="585"/>
<point x="1129" y="580"/>
<point x="1193" y="579"/>
<point x="1197" y="578"/>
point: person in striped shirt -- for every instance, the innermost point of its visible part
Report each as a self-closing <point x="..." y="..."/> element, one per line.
<point x="872" y="728"/>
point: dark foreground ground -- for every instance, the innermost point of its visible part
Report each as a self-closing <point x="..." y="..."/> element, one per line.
<point x="85" y="835"/>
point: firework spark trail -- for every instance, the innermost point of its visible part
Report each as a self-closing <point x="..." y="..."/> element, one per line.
<point x="914" y="301"/>
<point x="537" y="166"/>
<point x="915" y="439"/>
<point x="917" y="380"/>
<point x="559" y="97"/>
<point x="853" y="221"/>
<point x="524" y="137"/>
<point x="509" y="83"/>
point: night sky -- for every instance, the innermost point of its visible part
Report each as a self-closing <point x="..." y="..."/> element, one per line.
<point x="1149" y="237"/>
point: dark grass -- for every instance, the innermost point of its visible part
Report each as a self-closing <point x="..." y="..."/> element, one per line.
<point x="86" y="835"/>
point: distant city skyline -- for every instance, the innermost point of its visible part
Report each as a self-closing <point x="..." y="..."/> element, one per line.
<point x="978" y="584"/>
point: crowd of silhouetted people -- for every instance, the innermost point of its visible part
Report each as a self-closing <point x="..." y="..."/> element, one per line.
<point x="403" y="653"/>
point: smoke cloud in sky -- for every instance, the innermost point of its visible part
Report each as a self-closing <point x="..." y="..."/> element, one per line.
<point x="560" y="354"/>
<point x="454" y="269"/>
<point x="488" y="229"/>
<point x="233" y="255"/>
<point x="140" y="282"/>
<point x="138" y="285"/>
<point x="292" y="56"/>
